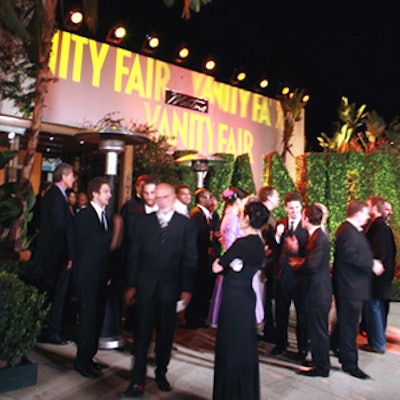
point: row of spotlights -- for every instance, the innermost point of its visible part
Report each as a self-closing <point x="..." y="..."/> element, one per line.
<point x="116" y="34"/>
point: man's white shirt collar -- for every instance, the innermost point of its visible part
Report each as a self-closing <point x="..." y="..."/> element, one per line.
<point x="98" y="209"/>
<point x="205" y="211"/>
<point x="149" y="210"/>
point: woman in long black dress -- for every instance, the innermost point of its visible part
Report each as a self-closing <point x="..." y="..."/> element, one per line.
<point x="236" y="375"/>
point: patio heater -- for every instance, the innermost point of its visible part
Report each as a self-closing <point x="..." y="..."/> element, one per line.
<point x="199" y="164"/>
<point x="111" y="140"/>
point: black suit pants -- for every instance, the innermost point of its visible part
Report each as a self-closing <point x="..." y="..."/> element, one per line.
<point x="286" y="291"/>
<point x="317" y="324"/>
<point x="56" y="296"/>
<point x="348" y="312"/>
<point x="92" y="303"/>
<point x="159" y="314"/>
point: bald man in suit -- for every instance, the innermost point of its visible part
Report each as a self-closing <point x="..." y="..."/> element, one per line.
<point x="161" y="270"/>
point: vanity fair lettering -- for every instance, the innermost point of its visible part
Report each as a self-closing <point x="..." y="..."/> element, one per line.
<point x="189" y="129"/>
<point x="66" y="59"/>
<point x="82" y="59"/>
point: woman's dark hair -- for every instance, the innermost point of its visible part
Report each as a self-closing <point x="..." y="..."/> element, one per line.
<point x="258" y="214"/>
<point x="233" y="193"/>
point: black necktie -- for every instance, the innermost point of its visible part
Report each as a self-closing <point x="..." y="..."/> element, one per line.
<point x="104" y="221"/>
<point x="291" y="230"/>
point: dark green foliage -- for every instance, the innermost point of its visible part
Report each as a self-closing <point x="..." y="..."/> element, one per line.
<point x="311" y="177"/>
<point x="337" y="197"/>
<point x="6" y="156"/>
<point x="219" y="175"/>
<point x="276" y="174"/>
<point x="342" y="177"/>
<point x="242" y="175"/>
<point x="10" y="206"/>
<point x="22" y="312"/>
<point x="396" y="290"/>
<point x="27" y="271"/>
<point x="155" y="158"/>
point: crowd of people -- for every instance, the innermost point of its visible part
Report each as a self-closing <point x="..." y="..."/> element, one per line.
<point x="238" y="272"/>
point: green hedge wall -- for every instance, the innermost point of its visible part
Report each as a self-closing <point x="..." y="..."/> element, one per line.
<point x="335" y="179"/>
<point x="276" y="174"/>
<point x="242" y="175"/>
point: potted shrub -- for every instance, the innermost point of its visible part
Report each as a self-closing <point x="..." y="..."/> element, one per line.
<point x="22" y="313"/>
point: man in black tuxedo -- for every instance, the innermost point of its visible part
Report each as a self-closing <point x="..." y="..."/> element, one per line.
<point x="148" y="194"/>
<point x="53" y="254"/>
<point x="161" y="271"/>
<point x="197" y="311"/>
<point x="292" y="239"/>
<point x="381" y="238"/>
<point x="352" y="273"/>
<point x="317" y="293"/>
<point x="92" y="239"/>
<point x="136" y="201"/>
<point x="269" y="196"/>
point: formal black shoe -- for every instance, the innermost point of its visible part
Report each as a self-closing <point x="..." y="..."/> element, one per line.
<point x="87" y="372"/>
<point x="307" y="363"/>
<point x="53" y="339"/>
<point x="301" y="355"/>
<point x="357" y="373"/>
<point x="367" y="347"/>
<point x="278" y="350"/>
<point x="163" y="384"/>
<point x="98" y="366"/>
<point x="269" y="338"/>
<point x="335" y="352"/>
<point x="135" y="391"/>
<point x="313" y="372"/>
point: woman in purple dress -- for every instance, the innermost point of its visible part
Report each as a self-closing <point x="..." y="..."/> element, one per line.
<point x="236" y="373"/>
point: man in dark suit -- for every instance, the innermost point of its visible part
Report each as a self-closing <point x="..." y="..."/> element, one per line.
<point x="197" y="311"/>
<point x="352" y="273"/>
<point x="161" y="270"/>
<point x="136" y="201"/>
<point x="269" y="196"/>
<point x="148" y="194"/>
<point x="317" y="293"/>
<point x="292" y="239"/>
<point x="92" y="239"/>
<point x="53" y="254"/>
<point x="380" y="236"/>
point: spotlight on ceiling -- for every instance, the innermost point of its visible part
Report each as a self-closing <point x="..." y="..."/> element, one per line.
<point x="73" y="20"/>
<point x="238" y="75"/>
<point x="285" y="90"/>
<point x="182" y="53"/>
<point x="116" y="34"/>
<point x="210" y="65"/>
<point x="150" y="44"/>
<point x="263" y="83"/>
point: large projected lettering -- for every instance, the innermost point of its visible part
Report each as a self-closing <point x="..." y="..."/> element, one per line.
<point x="95" y="79"/>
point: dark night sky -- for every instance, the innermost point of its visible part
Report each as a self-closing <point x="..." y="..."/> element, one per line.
<point x="328" y="50"/>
